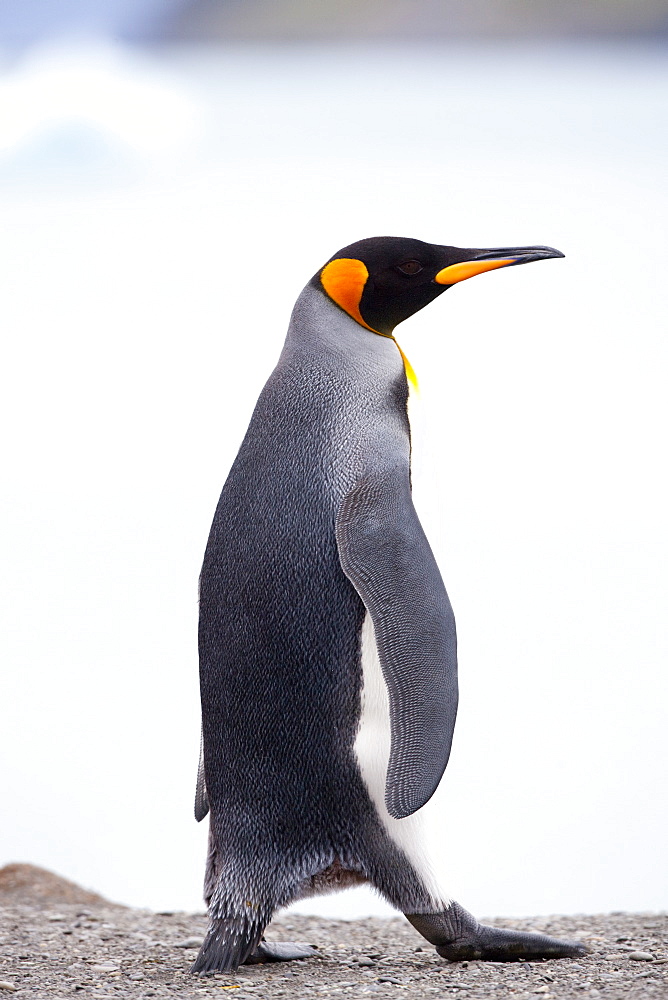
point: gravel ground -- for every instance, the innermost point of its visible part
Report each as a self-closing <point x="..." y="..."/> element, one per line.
<point x="59" y="941"/>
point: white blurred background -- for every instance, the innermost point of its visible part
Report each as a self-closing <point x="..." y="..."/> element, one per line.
<point x="161" y="207"/>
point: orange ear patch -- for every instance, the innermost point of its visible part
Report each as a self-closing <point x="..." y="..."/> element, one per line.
<point x="344" y="280"/>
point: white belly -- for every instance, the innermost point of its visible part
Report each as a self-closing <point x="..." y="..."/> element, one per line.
<point x="372" y="747"/>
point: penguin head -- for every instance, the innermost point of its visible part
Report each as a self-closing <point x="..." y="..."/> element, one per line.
<point x="382" y="281"/>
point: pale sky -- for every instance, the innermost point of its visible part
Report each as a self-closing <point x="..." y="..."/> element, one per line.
<point x="159" y="218"/>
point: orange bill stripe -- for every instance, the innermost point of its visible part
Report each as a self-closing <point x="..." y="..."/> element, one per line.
<point x="468" y="269"/>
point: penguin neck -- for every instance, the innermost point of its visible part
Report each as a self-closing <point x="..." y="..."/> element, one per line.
<point x="320" y="329"/>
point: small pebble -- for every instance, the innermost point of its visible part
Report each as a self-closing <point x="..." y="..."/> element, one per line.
<point x="4" y="985"/>
<point x="640" y="956"/>
<point x="365" y="962"/>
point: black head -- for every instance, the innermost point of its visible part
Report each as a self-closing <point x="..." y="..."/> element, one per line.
<point x="383" y="280"/>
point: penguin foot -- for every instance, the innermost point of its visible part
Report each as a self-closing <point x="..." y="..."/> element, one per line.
<point x="458" y="936"/>
<point x="274" y="951"/>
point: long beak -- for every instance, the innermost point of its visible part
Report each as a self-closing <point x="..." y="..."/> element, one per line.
<point x="479" y="261"/>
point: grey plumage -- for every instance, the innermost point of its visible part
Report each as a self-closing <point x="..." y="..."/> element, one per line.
<point x="280" y="626"/>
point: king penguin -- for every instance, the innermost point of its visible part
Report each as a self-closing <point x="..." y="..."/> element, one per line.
<point x="328" y="664"/>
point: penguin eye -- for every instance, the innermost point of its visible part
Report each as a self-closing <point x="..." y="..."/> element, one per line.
<point x="410" y="267"/>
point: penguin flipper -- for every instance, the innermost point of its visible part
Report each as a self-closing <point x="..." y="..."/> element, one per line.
<point x="201" y="797"/>
<point x="385" y="554"/>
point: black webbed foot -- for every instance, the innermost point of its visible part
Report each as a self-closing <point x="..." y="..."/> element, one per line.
<point x="458" y="936"/>
<point x="275" y="951"/>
